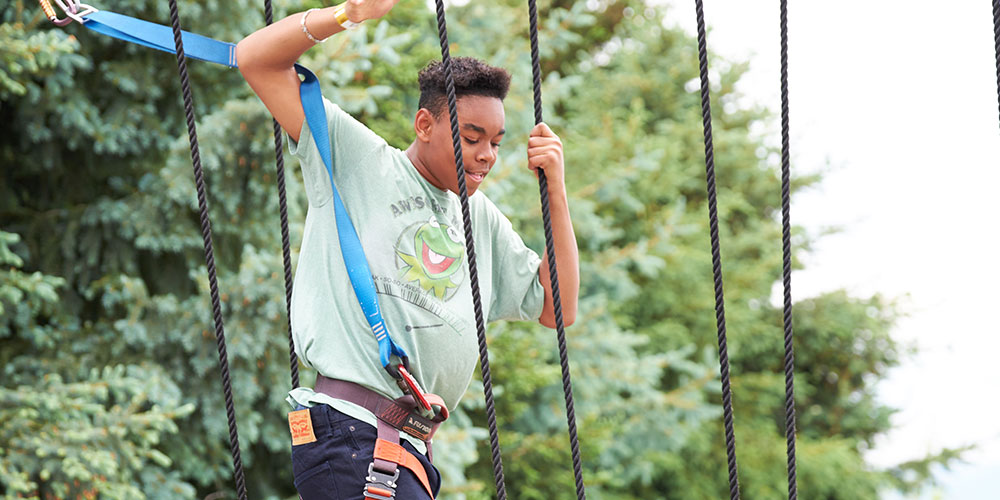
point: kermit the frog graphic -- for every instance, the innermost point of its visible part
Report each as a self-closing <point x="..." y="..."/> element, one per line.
<point x="437" y="259"/>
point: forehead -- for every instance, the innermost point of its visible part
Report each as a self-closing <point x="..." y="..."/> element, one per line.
<point x="483" y="112"/>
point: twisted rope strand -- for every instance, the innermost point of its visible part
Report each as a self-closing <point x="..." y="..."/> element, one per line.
<point x="996" y="40"/>
<point x="550" y="253"/>
<point x="786" y="260"/>
<point x="206" y="231"/>
<point x="713" y="217"/>
<point x="286" y="253"/>
<point x="470" y="249"/>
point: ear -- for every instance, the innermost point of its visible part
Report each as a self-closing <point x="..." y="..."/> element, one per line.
<point x="423" y="124"/>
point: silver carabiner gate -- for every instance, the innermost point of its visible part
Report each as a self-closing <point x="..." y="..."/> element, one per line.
<point x="74" y="10"/>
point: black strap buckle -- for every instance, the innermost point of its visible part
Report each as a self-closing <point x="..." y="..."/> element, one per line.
<point x="381" y="485"/>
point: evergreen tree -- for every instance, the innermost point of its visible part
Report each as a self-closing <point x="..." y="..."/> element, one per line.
<point x="109" y="371"/>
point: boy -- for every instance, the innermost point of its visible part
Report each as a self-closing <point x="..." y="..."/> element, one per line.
<point x="408" y="216"/>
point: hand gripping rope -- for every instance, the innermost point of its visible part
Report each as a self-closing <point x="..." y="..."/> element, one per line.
<point x="536" y="71"/>
<point x="470" y="248"/>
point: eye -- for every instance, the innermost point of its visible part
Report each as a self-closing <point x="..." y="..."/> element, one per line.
<point x="496" y="144"/>
<point x="453" y="234"/>
<point x="433" y="222"/>
<point x="470" y="141"/>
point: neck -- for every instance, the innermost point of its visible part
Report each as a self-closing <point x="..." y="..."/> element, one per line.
<point x="413" y="153"/>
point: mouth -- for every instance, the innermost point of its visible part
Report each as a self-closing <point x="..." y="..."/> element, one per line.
<point x="476" y="176"/>
<point x="434" y="262"/>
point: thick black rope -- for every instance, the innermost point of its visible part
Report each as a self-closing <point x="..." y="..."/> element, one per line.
<point x="713" y="218"/>
<point x="206" y="232"/>
<point x="286" y="253"/>
<point x="470" y="249"/>
<point x="550" y="253"/>
<point x="786" y="260"/>
<point x="996" y="40"/>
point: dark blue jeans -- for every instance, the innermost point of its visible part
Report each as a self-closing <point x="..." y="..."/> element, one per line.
<point x="334" y="467"/>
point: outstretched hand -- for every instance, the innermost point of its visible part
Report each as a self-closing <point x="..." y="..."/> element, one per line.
<point x="545" y="151"/>
<point x="361" y="10"/>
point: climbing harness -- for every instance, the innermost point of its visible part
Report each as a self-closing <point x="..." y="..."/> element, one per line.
<point x="394" y="416"/>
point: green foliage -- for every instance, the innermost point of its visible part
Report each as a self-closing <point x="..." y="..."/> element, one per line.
<point x="70" y="432"/>
<point x="110" y="383"/>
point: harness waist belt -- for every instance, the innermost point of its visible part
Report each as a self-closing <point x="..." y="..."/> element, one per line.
<point x="401" y="414"/>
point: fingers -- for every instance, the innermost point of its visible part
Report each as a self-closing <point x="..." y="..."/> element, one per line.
<point x="543" y="157"/>
<point x="545" y="151"/>
<point x="542" y="130"/>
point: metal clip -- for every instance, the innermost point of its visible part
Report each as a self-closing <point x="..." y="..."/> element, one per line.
<point x="381" y="486"/>
<point x="74" y="10"/>
<point x="410" y="386"/>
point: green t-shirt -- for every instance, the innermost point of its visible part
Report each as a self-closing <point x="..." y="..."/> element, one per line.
<point x="414" y="240"/>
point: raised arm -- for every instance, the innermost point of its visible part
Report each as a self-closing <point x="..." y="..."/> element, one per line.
<point x="267" y="57"/>
<point x="545" y="152"/>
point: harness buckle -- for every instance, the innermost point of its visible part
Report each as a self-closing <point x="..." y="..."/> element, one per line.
<point x="381" y="485"/>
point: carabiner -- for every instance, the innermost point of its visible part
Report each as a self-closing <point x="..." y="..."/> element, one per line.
<point x="410" y="386"/>
<point x="74" y="10"/>
<point x="401" y="372"/>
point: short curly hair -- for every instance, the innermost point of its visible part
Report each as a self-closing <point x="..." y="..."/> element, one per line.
<point x="472" y="77"/>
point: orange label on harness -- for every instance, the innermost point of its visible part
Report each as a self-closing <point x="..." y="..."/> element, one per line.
<point x="301" y="426"/>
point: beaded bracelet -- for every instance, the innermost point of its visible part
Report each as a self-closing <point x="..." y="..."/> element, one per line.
<point x="302" y="22"/>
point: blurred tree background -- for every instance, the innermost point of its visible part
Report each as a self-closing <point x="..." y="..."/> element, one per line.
<point x="109" y="386"/>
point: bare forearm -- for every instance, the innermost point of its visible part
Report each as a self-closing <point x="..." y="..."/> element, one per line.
<point x="567" y="262"/>
<point x="278" y="46"/>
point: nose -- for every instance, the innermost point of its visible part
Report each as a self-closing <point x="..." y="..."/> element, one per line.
<point x="485" y="154"/>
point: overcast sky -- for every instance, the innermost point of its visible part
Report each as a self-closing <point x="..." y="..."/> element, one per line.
<point x="897" y="102"/>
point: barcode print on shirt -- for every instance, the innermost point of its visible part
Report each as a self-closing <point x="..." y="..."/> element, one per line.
<point x="420" y="299"/>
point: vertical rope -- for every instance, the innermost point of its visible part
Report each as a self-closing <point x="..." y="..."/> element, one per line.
<point x="286" y="254"/>
<point x="786" y="260"/>
<point x="470" y="249"/>
<point x="550" y="253"/>
<point x="206" y="231"/>
<point x="713" y="217"/>
<point x="996" y="40"/>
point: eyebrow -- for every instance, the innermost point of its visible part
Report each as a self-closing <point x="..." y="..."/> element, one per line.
<point x="481" y="130"/>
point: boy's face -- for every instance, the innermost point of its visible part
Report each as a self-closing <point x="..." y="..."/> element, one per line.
<point x="481" y="127"/>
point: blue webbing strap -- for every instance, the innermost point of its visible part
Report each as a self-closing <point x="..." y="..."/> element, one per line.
<point x="350" y="244"/>
<point x="160" y="37"/>
<point x="206" y="49"/>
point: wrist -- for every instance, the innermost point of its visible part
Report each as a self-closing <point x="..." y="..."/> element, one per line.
<point x="347" y="17"/>
<point x="556" y="189"/>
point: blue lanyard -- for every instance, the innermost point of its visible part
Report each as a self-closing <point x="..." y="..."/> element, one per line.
<point x="206" y="49"/>
<point x="350" y="245"/>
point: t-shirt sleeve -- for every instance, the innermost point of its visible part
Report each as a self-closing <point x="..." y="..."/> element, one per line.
<point x="517" y="292"/>
<point x="351" y="141"/>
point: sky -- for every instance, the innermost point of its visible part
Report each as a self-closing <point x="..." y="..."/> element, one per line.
<point x="896" y="102"/>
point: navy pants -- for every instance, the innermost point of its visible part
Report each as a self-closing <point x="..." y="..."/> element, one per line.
<point x="334" y="467"/>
